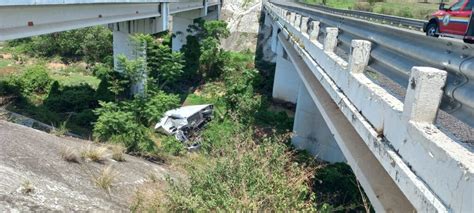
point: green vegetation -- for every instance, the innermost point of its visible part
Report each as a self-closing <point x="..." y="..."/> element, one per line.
<point x="91" y="45"/>
<point x="401" y="8"/>
<point x="245" y="161"/>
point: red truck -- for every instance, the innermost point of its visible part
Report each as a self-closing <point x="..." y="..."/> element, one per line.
<point x="453" y="21"/>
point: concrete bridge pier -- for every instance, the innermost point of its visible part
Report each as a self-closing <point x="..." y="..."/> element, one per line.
<point x="181" y="23"/>
<point x="311" y="132"/>
<point x="287" y="81"/>
<point x="182" y="20"/>
<point x="125" y="44"/>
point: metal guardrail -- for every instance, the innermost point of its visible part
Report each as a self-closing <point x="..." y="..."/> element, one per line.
<point x="415" y="24"/>
<point x="395" y="51"/>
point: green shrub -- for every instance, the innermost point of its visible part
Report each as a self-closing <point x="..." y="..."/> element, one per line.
<point x="157" y="104"/>
<point x="254" y="177"/>
<point x="204" y="44"/>
<point x="103" y="92"/>
<point x="8" y="87"/>
<point x="84" y="118"/>
<point x="119" y="126"/>
<point x="215" y="138"/>
<point x="71" y="98"/>
<point x="165" y="66"/>
<point x="173" y="146"/>
<point x="92" y="44"/>
<point x="35" y="79"/>
<point x="336" y="184"/>
<point x="279" y="120"/>
<point x="239" y="95"/>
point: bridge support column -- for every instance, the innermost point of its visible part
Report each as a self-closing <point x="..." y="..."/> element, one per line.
<point x="124" y="44"/>
<point x="287" y="81"/>
<point x="180" y="26"/>
<point x="311" y="132"/>
<point x="274" y="40"/>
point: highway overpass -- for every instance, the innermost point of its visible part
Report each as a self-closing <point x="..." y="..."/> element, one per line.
<point x="26" y="18"/>
<point x="404" y="161"/>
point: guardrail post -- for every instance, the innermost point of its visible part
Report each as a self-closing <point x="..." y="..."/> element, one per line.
<point x="424" y="93"/>
<point x="360" y="55"/>
<point x="313" y="36"/>
<point x="330" y="42"/>
<point x="304" y="25"/>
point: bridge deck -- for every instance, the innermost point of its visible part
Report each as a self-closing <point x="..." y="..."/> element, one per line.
<point x="68" y="2"/>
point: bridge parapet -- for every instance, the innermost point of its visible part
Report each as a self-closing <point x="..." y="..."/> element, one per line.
<point x="432" y="170"/>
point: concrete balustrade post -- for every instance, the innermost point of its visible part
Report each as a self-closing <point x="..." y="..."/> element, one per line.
<point x="298" y="22"/>
<point x="424" y="93"/>
<point x="330" y="42"/>
<point x="304" y="25"/>
<point x="292" y="18"/>
<point x="313" y="36"/>
<point x="360" y="55"/>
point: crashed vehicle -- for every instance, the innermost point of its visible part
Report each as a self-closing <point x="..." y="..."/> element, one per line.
<point x="183" y="122"/>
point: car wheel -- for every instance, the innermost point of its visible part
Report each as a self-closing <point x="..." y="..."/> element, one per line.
<point x="432" y="30"/>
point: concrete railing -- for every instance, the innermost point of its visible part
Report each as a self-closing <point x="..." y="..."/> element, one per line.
<point x="434" y="172"/>
<point x="395" y="51"/>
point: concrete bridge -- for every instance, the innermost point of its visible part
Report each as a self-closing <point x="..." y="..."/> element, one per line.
<point x="404" y="162"/>
<point x="26" y="18"/>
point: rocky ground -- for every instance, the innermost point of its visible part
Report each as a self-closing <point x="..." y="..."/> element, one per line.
<point x="243" y="19"/>
<point x="35" y="177"/>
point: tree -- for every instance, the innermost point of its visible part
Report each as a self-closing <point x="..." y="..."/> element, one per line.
<point x="211" y="56"/>
<point x="165" y="65"/>
<point x="135" y="71"/>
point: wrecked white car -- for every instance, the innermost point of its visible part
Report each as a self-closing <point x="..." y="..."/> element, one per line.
<point x="184" y="121"/>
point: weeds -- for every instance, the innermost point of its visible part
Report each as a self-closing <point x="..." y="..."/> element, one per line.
<point x="27" y="187"/>
<point x="61" y="130"/>
<point x="152" y="177"/>
<point x="96" y="154"/>
<point x="250" y="176"/>
<point x="69" y="154"/>
<point x="118" y="151"/>
<point x="105" y="179"/>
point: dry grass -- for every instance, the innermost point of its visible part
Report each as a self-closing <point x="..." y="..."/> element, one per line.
<point x="118" y="152"/>
<point x="69" y="154"/>
<point x="105" y="179"/>
<point x="61" y="130"/>
<point x="149" y="198"/>
<point x="27" y="187"/>
<point x="96" y="154"/>
<point x="152" y="178"/>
